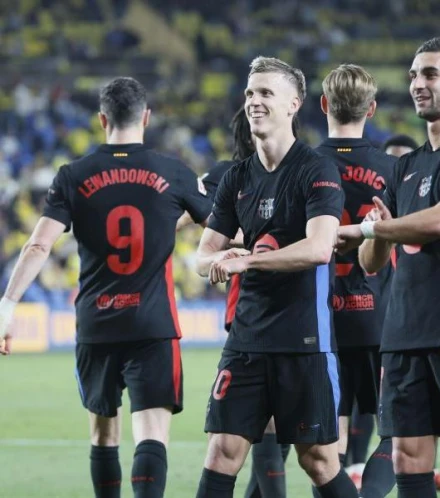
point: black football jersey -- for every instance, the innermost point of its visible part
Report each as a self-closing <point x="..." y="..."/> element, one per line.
<point x="413" y="315"/>
<point x="123" y="202"/>
<point x="360" y="300"/>
<point x="280" y="311"/>
<point x="211" y="181"/>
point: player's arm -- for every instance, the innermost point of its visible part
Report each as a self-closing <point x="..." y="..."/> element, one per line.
<point x="33" y="256"/>
<point x="30" y="262"/>
<point x="316" y="249"/>
<point x="186" y="220"/>
<point x="416" y="228"/>
<point x="213" y="247"/>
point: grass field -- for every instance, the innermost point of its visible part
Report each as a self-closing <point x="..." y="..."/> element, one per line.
<point x="44" y="432"/>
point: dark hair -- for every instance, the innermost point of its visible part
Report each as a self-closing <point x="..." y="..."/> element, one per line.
<point x="400" y="141"/>
<point x="123" y="101"/>
<point x="241" y="131"/>
<point x="432" y="45"/>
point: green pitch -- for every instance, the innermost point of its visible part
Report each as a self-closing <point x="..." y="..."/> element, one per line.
<point x="44" y="432"/>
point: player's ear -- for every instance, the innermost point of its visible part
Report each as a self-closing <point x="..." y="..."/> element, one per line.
<point x="146" y="118"/>
<point x="103" y="120"/>
<point x="324" y="104"/>
<point x="295" y="106"/>
<point x="371" y="109"/>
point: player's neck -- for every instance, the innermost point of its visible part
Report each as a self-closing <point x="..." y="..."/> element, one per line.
<point x="350" y="130"/>
<point x="125" y="136"/>
<point x="434" y="134"/>
<point x="271" y="150"/>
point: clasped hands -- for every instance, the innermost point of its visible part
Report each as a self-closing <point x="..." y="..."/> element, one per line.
<point x="349" y="237"/>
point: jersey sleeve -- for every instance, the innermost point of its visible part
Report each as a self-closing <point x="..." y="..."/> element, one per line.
<point x="224" y="217"/>
<point x="212" y="179"/>
<point x="195" y="198"/>
<point x="389" y="196"/>
<point x="322" y="190"/>
<point x="57" y="204"/>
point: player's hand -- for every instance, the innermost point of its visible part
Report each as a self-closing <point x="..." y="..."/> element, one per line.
<point x="373" y="215"/>
<point x="348" y="237"/>
<point x="221" y="271"/>
<point x="233" y="252"/>
<point x="6" y="313"/>
<point x="382" y="209"/>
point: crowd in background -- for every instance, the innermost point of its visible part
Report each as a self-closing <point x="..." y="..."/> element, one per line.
<point x="193" y="57"/>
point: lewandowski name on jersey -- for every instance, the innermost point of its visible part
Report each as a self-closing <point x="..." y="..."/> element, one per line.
<point x="116" y="176"/>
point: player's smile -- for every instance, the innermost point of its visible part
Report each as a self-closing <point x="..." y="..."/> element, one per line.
<point x="256" y="115"/>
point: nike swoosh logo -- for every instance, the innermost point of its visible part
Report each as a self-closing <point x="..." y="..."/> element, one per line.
<point x="408" y="177"/>
<point x="241" y="194"/>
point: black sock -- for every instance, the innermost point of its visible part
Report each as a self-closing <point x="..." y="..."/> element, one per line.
<point x="315" y="492"/>
<point x="416" y="485"/>
<point x="339" y="487"/>
<point x="361" y="430"/>
<point x="268" y="464"/>
<point x="149" y="471"/>
<point x="252" y="489"/>
<point x="106" y="471"/>
<point x="378" y="478"/>
<point x="215" y="485"/>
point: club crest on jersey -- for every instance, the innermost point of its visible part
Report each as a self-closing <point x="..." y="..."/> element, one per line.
<point x="425" y="186"/>
<point x="265" y="209"/>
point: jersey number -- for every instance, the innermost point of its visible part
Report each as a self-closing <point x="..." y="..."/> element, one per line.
<point x="134" y="242"/>
<point x="343" y="269"/>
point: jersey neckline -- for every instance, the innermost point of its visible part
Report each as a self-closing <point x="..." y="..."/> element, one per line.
<point x="294" y="151"/>
<point x="344" y="142"/>
<point x="112" y="148"/>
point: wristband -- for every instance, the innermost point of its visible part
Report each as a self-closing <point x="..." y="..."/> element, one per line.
<point x="367" y="229"/>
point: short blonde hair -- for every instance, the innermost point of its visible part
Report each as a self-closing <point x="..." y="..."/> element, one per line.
<point x="349" y="90"/>
<point x="272" y="65"/>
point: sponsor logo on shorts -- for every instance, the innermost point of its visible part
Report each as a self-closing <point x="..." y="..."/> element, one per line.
<point x="303" y="427"/>
<point x="119" y="301"/>
<point x="310" y="340"/>
<point x="355" y="302"/>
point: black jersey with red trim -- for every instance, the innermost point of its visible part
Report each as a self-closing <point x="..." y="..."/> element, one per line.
<point x="413" y="315"/>
<point x="211" y="181"/>
<point x="360" y="300"/>
<point x="123" y="202"/>
<point x="280" y="311"/>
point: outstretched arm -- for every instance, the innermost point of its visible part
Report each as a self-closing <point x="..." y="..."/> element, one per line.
<point x="30" y="262"/>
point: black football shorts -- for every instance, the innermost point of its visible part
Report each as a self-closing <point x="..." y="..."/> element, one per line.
<point x="410" y="398"/>
<point x="301" y="391"/>
<point x="151" y="370"/>
<point x="359" y="379"/>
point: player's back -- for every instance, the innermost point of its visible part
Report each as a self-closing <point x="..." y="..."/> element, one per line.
<point x="124" y="201"/>
<point x="360" y="300"/>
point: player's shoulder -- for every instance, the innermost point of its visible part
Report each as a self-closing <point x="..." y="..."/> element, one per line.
<point x="218" y="170"/>
<point x="405" y="162"/>
<point x="317" y="159"/>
